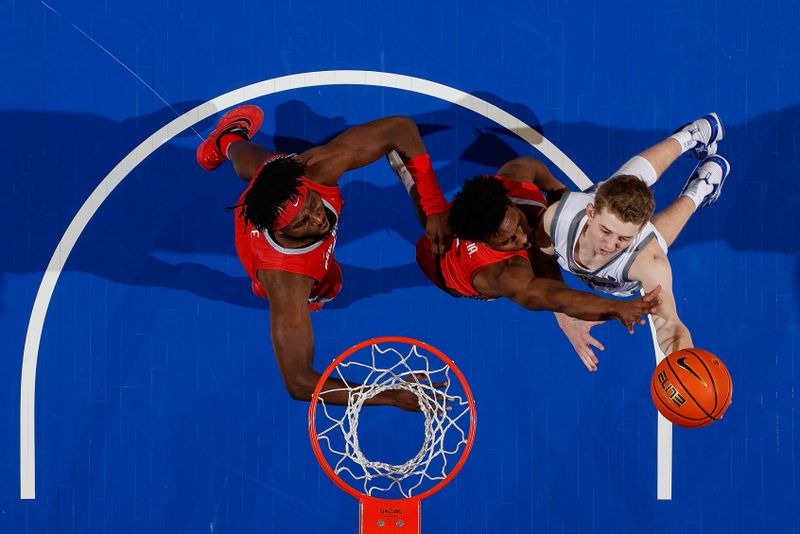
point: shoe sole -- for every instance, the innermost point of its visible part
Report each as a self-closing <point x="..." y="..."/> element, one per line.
<point x="726" y="169"/>
<point x="252" y="114"/>
<point x="717" y="134"/>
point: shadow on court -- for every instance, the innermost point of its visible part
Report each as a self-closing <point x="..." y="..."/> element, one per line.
<point x="165" y="225"/>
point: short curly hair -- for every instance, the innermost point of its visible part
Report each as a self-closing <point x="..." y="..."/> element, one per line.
<point x="626" y="197"/>
<point x="479" y="208"/>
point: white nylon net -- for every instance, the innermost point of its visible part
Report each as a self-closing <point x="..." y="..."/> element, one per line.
<point x="446" y="423"/>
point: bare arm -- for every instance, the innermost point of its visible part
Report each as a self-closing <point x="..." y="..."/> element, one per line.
<point x="514" y="279"/>
<point x="293" y="341"/>
<point x="364" y="144"/>
<point x="577" y="331"/>
<point x="652" y="268"/>
<point x="361" y="145"/>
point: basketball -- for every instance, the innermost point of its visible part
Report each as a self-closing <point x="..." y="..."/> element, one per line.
<point x="691" y="388"/>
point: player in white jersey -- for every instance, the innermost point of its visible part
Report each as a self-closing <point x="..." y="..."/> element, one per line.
<point x="608" y="239"/>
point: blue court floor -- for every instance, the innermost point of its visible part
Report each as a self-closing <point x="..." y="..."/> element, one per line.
<point x="158" y="404"/>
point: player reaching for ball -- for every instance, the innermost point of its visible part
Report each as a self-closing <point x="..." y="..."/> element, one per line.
<point x="608" y="239"/>
<point x="492" y="257"/>
<point x="286" y="223"/>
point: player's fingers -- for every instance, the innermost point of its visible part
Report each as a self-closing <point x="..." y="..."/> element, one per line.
<point x="652" y="295"/>
<point x="590" y="365"/>
<point x="436" y="248"/>
<point x="439" y="397"/>
<point x="448" y="241"/>
<point x="628" y="324"/>
<point x="418" y="377"/>
<point x="593" y="341"/>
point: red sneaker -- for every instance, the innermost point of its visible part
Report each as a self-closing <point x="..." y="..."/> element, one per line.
<point x="248" y="118"/>
<point x="315" y="306"/>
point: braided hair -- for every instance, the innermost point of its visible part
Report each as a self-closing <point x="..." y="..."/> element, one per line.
<point x="276" y="184"/>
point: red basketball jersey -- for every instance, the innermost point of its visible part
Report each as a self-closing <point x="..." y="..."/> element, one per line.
<point x="462" y="262"/>
<point x="258" y="250"/>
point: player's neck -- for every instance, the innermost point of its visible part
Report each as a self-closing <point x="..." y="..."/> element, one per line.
<point x="585" y="254"/>
<point x="292" y="242"/>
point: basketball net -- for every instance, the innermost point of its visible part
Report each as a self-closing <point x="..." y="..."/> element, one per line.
<point x="446" y="404"/>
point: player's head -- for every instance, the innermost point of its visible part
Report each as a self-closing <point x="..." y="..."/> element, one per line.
<point x="482" y="211"/>
<point x="622" y="206"/>
<point x="279" y="200"/>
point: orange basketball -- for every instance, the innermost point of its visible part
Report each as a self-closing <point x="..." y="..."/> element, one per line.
<point x="691" y="388"/>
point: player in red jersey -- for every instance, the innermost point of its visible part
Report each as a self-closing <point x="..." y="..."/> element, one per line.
<point x="492" y="218"/>
<point x="286" y="225"/>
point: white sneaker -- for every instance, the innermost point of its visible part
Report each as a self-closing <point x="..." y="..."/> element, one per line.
<point x="705" y="183"/>
<point x="706" y="132"/>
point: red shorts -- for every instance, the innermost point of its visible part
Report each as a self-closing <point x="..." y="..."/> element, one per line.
<point x="321" y="292"/>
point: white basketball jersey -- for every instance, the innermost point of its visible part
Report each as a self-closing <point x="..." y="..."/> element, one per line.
<point x="568" y="223"/>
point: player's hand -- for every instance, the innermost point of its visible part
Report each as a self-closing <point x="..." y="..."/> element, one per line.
<point x="438" y="232"/>
<point x="407" y="400"/>
<point x="578" y="333"/>
<point x="630" y="312"/>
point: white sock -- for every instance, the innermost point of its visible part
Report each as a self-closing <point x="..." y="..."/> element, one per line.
<point x="684" y="139"/>
<point x="697" y="190"/>
<point x="641" y="168"/>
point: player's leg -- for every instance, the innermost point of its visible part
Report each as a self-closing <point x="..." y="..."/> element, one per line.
<point x="703" y="187"/>
<point x="699" y="137"/>
<point x="247" y="157"/>
<point x="670" y="221"/>
<point x="231" y="140"/>
<point x="650" y="164"/>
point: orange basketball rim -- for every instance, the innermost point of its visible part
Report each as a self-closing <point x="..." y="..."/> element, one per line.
<point x="450" y="425"/>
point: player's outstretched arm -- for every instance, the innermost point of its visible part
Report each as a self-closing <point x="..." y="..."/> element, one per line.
<point x="577" y="331"/>
<point x="364" y="144"/>
<point x="514" y="279"/>
<point x="293" y="341"/>
<point x="361" y="145"/>
<point x="652" y="268"/>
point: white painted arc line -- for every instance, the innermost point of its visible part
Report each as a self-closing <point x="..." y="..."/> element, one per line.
<point x="663" y="434"/>
<point x="664" y="459"/>
<point x="190" y="118"/>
